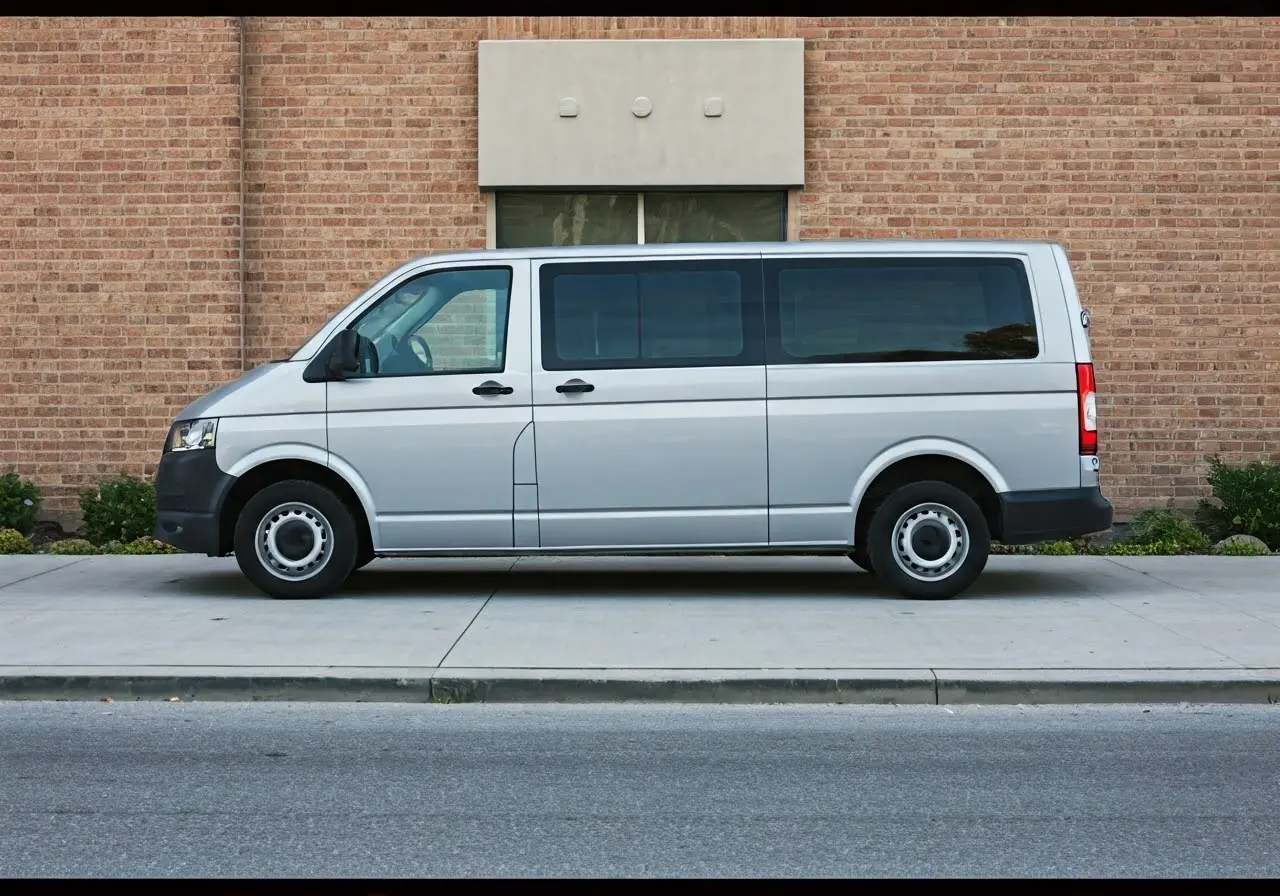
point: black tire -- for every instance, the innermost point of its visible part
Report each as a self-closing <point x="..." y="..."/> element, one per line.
<point x="330" y="525"/>
<point x="862" y="559"/>
<point x="938" y="535"/>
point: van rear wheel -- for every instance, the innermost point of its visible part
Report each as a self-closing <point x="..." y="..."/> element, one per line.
<point x="296" y="539"/>
<point x="929" y="540"/>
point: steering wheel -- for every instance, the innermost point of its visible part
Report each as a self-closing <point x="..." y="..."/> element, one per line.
<point x="421" y="350"/>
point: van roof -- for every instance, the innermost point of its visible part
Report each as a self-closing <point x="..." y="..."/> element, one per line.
<point x="795" y="247"/>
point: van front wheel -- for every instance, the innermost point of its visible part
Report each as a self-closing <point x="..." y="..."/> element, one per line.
<point x="929" y="540"/>
<point x="296" y="539"/>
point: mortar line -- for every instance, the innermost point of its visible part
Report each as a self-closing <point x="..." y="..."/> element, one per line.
<point x="244" y="299"/>
<point x="463" y="634"/>
<point x="42" y="572"/>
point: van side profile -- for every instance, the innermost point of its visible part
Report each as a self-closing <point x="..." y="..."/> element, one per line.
<point x="902" y="403"/>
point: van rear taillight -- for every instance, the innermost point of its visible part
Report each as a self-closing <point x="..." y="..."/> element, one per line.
<point x="1088" y="401"/>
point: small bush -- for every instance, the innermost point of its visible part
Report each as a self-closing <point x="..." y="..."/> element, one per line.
<point x="19" y="503"/>
<point x="147" y="545"/>
<point x="121" y="509"/>
<point x="136" y="547"/>
<point x="1055" y="548"/>
<point x="1213" y="521"/>
<point x="1149" y="549"/>
<point x="1250" y="497"/>
<point x="1060" y="547"/>
<point x="1243" y="549"/>
<point x="14" y="542"/>
<point x="78" y="546"/>
<point x="1167" y="531"/>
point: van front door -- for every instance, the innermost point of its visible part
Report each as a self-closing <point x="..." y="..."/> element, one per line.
<point x="649" y="403"/>
<point x="432" y="422"/>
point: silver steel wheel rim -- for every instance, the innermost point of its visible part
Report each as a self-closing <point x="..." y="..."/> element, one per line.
<point x="268" y="541"/>
<point x="948" y="524"/>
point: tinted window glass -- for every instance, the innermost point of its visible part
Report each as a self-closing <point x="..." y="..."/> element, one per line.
<point x="566" y="219"/>
<point x="452" y="321"/>
<point x="848" y="311"/>
<point x="714" y="217"/>
<point x="650" y="314"/>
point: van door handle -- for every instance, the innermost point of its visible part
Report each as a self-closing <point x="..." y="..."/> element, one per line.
<point x="575" y="385"/>
<point x="491" y="388"/>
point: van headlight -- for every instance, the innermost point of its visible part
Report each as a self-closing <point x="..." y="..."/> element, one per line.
<point x="188" y="435"/>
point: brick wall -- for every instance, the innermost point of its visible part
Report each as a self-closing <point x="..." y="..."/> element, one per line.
<point x="119" y="238"/>
<point x="1148" y="147"/>
<point x="360" y="155"/>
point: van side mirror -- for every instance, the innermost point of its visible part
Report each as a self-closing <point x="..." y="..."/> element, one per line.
<point x="344" y="355"/>
<point x="339" y="359"/>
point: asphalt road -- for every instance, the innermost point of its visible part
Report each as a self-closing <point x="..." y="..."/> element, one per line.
<point x="260" y="790"/>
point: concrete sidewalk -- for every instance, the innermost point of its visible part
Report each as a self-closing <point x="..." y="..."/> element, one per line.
<point x="716" y="629"/>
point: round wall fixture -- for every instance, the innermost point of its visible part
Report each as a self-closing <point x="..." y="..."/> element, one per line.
<point x="641" y="107"/>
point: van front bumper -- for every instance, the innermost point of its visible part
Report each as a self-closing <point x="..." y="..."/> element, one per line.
<point x="190" y="492"/>
<point x="1054" y="513"/>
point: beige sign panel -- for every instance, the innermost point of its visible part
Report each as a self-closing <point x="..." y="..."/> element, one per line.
<point x="641" y="113"/>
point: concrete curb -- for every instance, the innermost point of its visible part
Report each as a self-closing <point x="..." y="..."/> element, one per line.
<point x="663" y="686"/>
<point x="680" y="689"/>
<point x="1189" y="690"/>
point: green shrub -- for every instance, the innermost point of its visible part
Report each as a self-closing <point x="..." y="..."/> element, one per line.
<point x="1166" y="530"/>
<point x="1149" y="549"/>
<point x="1243" y="549"/>
<point x="147" y="545"/>
<point x="14" y="542"/>
<point x="1213" y="521"/>
<point x="144" y="545"/>
<point x="1055" y="548"/>
<point x="19" y="502"/>
<point x="120" y="509"/>
<point x="1250" y="497"/>
<point x="77" y="546"/>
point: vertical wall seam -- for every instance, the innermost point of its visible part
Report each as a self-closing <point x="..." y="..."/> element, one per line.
<point x="244" y="302"/>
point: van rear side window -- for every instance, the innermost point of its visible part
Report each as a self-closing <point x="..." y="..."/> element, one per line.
<point x="848" y="311"/>
<point x="651" y="314"/>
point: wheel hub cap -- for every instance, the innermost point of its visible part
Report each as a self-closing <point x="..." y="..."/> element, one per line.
<point x="294" y="541"/>
<point x="930" y="542"/>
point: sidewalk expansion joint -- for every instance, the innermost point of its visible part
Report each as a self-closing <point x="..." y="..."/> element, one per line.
<point x="473" y="619"/>
<point x="43" y="572"/>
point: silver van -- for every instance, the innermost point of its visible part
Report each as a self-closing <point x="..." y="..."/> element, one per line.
<point x="901" y="403"/>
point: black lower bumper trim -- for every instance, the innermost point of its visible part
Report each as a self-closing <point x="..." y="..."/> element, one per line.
<point x="1053" y="513"/>
<point x="195" y="533"/>
<point x="190" y="491"/>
